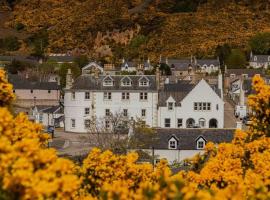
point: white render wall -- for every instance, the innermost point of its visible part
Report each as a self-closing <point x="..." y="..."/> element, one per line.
<point x="173" y="155"/>
<point x="23" y="94"/>
<point x="201" y="93"/>
<point x="74" y="109"/>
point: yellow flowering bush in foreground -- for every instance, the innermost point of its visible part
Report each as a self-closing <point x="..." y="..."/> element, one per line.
<point x="29" y="170"/>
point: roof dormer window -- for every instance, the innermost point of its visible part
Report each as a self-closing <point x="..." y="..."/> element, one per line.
<point x="172" y="143"/>
<point x="126" y="81"/>
<point x="255" y="58"/>
<point x="108" y="81"/>
<point x="200" y="143"/>
<point x="143" y="81"/>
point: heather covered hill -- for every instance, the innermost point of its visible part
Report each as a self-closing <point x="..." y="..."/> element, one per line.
<point x="139" y="28"/>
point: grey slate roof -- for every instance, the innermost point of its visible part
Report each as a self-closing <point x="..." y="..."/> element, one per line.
<point x="249" y="72"/>
<point x="178" y="91"/>
<point x="88" y="82"/>
<point x="179" y="64"/>
<point x="260" y="58"/>
<point x="54" y="109"/>
<point x="21" y="83"/>
<point x="129" y="63"/>
<point x="19" y="58"/>
<point x="187" y="138"/>
<point x="65" y="59"/>
<point x="208" y="62"/>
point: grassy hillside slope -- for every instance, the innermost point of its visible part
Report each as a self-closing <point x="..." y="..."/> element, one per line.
<point x="141" y="28"/>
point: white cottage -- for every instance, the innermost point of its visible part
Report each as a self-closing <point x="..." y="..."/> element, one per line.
<point x="259" y="61"/>
<point x="176" y="145"/>
<point x="185" y="105"/>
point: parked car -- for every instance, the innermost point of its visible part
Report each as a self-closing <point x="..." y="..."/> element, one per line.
<point x="246" y="120"/>
<point x="50" y="130"/>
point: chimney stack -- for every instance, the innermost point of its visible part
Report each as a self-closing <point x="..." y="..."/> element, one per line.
<point x="96" y="73"/>
<point x="69" y="79"/>
<point x="158" y="77"/>
<point x="220" y="83"/>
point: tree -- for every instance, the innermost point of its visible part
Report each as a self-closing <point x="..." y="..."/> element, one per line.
<point x="10" y="43"/>
<point x="62" y="72"/>
<point x="223" y="52"/>
<point x="236" y="59"/>
<point x="165" y="69"/>
<point x="260" y="43"/>
<point x="40" y="42"/>
<point x="18" y="66"/>
<point x="81" y="61"/>
<point x="109" y="132"/>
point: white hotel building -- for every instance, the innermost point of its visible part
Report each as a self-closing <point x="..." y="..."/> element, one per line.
<point x="177" y="105"/>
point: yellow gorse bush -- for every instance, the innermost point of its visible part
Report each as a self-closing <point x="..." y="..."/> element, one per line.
<point x="30" y="170"/>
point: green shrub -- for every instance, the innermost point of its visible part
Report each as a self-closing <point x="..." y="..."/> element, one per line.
<point x="10" y="43"/>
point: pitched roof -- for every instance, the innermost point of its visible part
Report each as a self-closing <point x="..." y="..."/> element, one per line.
<point x="249" y="72"/>
<point x="28" y="59"/>
<point x="21" y="83"/>
<point x="53" y="109"/>
<point x="260" y="58"/>
<point x="62" y="58"/>
<point x="129" y="63"/>
<point x="208" y="62"/>
<point x="178" y="91"/>
<point x="88" y="82"/>
<point x="187" y="138"/>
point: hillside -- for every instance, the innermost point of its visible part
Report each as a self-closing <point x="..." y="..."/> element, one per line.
<point x="142" y="28"/>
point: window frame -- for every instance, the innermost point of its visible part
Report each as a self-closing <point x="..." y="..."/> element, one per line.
<point x="144" y="83"/>
<point x="172" y="144"/>
<point x="200" y="141"/>
<point x="86" y="95"/>
<point x="73" y="123"/>
<point x="125" y="112"/>
<point x="107" y="112"/>
<point x="107" y="96"/>
<point x="87" y="125"/>
<point x="87" y="111"/>
<point x="143" y="113"/>
<point x="170" y="105"/>
<point x="143" y="96"/>
<point x="167" y="122"/>
<point x="179" y="122"/>
<point x="125" y="95"/>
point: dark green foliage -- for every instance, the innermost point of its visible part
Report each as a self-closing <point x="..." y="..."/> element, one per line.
<point x="222" y="52"/>
<point x="236" y="59"/>
<point x="165" y="69"/>
<point x="133" y="47"/>
<point x="76" y="71"/>
<point x="19" y="26"/>
<point x="16" y="66"/>
<point x="39" y="41"/>
<point x="10" y="43"/>
<point x="81" y="61"/>
<point x="172" y="6"/>
<point x="260" y="43"/>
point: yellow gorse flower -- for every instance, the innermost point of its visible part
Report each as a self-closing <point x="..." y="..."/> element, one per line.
<point x="29" y="170"/>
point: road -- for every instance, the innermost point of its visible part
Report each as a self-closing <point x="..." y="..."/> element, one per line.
<point x="229" y="118"/>
<point x="73" y="144"/>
